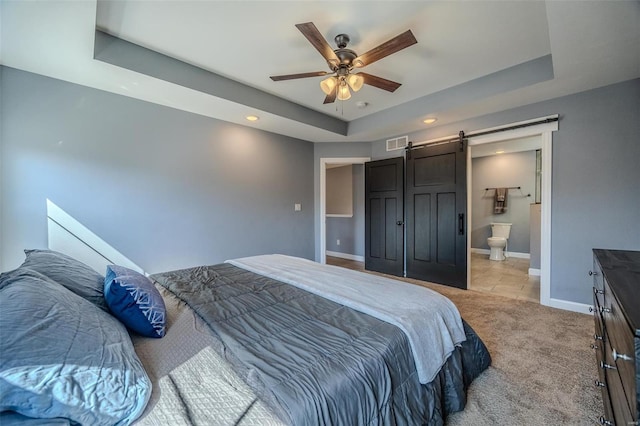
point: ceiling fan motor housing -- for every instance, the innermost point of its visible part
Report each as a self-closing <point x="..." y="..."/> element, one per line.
<point x="346" y="56"/>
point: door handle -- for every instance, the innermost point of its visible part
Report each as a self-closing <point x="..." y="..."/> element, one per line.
<point x="460" y="223"/>
<point x="399" y="223"/>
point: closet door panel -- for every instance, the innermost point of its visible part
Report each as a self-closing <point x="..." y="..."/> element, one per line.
<point x="436" y="210"/>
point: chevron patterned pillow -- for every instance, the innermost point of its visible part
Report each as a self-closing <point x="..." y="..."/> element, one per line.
<point x="135" y="301"/>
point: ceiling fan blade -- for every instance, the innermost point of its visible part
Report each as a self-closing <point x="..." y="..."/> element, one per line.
<point x="397" y="43"/>
<point x="309" y="30"/>
<point x="302" y="75"/>
<point x="331" y="97"/>
<point x="379" y="82"/>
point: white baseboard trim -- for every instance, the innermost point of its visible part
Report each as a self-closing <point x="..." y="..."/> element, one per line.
<point x="535" y="272"/>
<point x="507" y="253"/>
<point x="345" y="256"/>
<point x="517" y="255"/>
<point x="480" y="251"/>
<point x="569" y="306"/>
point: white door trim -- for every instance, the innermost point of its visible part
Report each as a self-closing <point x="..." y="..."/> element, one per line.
<point x="323" y="195"/>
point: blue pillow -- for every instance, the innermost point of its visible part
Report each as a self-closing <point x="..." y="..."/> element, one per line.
<point x="135" y="301"/>
<point x="69" y="272"/>
<point x="63" y="358"/>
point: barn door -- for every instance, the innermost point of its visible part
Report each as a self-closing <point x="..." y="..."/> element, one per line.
<point x="436" y="205"/>
<point x="384" y="210"/>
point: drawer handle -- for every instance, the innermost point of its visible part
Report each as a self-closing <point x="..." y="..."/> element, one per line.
<point x="597" y="291"/>
<point x="596" y="337"/>
<point x="605" y="310"/>
<point x="603" y="366"/>
<point x="617" y="355"/>
<point x="592" y="273"/>
<point x="600" y="384"/>
<point x="594" y="346"/>
<point x="604" y="421"/>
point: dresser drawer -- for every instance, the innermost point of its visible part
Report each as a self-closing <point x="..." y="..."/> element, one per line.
<point x="621" y="411"/>
<point x="599" y="336"/>
<point x="598" y="282"/>
<point x="620" y="348"/>
<point x="637" y="344"/>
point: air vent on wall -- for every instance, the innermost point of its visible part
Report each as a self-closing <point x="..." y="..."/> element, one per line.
<point x="397" y="143"/>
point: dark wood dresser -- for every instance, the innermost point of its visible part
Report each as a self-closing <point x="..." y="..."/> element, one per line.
<point x="616" y="311"/>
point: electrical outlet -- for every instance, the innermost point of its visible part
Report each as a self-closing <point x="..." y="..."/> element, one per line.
<point x="338" y="242"/>
<point x="297" y="207"/>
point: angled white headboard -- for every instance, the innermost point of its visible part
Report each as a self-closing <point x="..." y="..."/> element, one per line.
<point x="70" y="237"/>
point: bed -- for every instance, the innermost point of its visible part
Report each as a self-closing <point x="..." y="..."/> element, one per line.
<point x="254" y="341"/>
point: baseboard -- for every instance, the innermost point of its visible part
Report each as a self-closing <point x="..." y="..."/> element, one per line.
<point x="517" y="255"/>
<point x="534" y="272"/>
<point x="569" y="306"/>
<point x="480" y="251"/>
<point x="507" y="253"/>
<point x="345" y="256"/>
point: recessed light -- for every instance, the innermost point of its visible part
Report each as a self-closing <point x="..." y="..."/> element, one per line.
<point x="430" y="120"/>
<point x="252" y="117"/>
<point x="500" y="152"/>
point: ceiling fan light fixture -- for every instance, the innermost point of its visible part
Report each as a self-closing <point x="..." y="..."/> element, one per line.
<point x="343" y="92"/>
<point x="355" y="81"/>
<point x="328" y="85"/>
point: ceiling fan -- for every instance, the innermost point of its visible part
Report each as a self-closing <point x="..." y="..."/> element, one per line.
<point x="342" y="61"/>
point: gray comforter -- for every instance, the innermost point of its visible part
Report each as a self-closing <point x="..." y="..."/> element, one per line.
<point x="314" y="361"/>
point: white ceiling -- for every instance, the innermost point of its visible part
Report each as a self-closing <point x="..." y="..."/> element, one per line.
<point x="591" y="43"/>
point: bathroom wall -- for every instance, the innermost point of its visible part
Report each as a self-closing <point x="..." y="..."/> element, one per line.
<point x="535" y="233"/>
<point x="502" y="170"/>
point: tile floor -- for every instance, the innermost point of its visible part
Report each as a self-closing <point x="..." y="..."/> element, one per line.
<point x="508" y="278"/>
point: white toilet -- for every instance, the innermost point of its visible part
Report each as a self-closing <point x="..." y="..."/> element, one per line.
<point x="498" y="240"/>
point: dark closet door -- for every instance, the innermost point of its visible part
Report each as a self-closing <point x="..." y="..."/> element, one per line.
<point x="436" y="208"/>
<point x="384" y="209"/>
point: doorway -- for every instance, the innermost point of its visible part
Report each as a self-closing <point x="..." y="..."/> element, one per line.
<point x="544" y="131"/>
<point x="325" y="164"/>
<point x="512" y="267"/>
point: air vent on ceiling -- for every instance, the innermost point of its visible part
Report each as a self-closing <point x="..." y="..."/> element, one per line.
<point x="397" y="143"/>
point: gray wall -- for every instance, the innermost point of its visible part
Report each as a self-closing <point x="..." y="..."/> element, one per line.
<point x="504" y="170"/>
<point x="595" y="196"/>
<point x="339" y="190"/>
<point x="167" y="188"/>
<point x="349" y="230"/>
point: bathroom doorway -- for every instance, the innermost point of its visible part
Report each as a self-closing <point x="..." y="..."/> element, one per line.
<point x="543" y="133"/>
<point x="505" y="224"/>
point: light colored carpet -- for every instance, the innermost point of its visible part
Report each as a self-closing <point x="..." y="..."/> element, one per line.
<point x="543" y="368"/>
